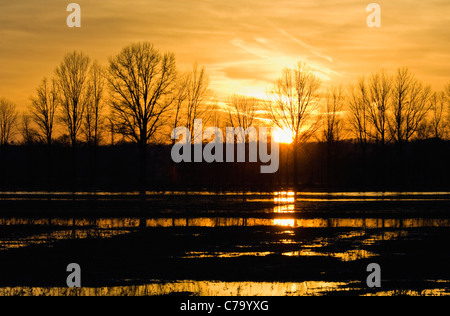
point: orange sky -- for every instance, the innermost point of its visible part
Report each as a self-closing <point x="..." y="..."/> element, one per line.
<point x="243" y="43"/>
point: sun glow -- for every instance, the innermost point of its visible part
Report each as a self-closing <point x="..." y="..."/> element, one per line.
<point x="283" y="136"/>
<point x="284" y="222"/>
<point x="284" y="197"/>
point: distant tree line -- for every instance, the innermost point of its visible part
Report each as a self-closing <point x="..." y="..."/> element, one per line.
<point x="141" y="95"/>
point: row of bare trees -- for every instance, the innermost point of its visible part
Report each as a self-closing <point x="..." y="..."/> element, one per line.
<point x="141" y="95"/>
<point x="147" y="96"/>
<point x="138" y="95"/>
<point x="396" y="108"/>
<point x="383" y="108"/>
<point x="72" y="98"/>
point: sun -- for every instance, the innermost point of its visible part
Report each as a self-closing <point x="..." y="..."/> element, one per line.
<point x="283" y="136"/>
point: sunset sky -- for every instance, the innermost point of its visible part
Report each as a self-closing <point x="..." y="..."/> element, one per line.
<point x="244" y="44"/>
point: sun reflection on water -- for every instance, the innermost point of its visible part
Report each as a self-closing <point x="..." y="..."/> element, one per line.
<point x="210" y="288"/>
<point x="284" y="197"/>
<point x="284" y="222"/>
<point x="284" y="209"/>
<point x="285" y="201"/>
<point x="198" y="288"/>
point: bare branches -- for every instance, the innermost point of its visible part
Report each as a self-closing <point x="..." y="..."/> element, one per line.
<point x="94" y="109"/>
<point x="410" y="105"/>
<point x="334" y="106"/>
<point x="295" y="99"/>
<point x="43" y="109"/>
<point x="438" y="104"/>
<point x="447" y="100"/>
<point x="388" y="108"/>
<point x="142" y="81"/>
<point x="8" y="120"/>
<point x="148" y="97"/>
<point x="358" y="108"/>
<point x="192" y="99"/>
<point x="198" y="83"/>
<point x="29" y="135"/>
<point x="379" y="93"/>
<point x="241" y="111"/>
<point x="72" y="78"/>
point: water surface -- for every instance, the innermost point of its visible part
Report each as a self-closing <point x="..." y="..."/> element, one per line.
<point x="279" y="244"/>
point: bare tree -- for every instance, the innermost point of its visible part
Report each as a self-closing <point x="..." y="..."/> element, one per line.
<point x="72" y="78"/>
<point x="142" y="82"/>
<point x="112" y="130"/>
<point x="181" y="88"/>
<point x="447" y="109"/>
<point x="425" y="130"/>
<point x="358" y="116"/>
<point x="438" y="103"/>
<point x="197" y="92"/>
<point x="216" y="117"/>
<point x="43" y="109"/>
<point x="294" y="101"/>
<point x="410" y="105"/>
<point x="93" y="119"/>
<point x="332" y="126"/>
<point x="192" y="99"/>
<point x="334" y="105"/>
<point x="8" y="121"/>
<point x="241" y="111"/>
<point x="380" y="91"/>
<point x="29" y="134"/>
<point x="358" y="109"/>
<point x="94" y="108"/>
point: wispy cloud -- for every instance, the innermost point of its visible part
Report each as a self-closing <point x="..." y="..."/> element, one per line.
<point x="312" y="49"/>
<point x="243" y="44"/>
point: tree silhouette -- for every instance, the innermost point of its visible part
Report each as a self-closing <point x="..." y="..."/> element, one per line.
<point x="93" y="118"/>
<point x="358" y="112"/>
<point x="410" y="105"/>
<point x="8" y="121"/>
<point x="72" y="78"/>
<point x="191" y="98"/>
<point x="241" y="112"/>
<point x="29" y="134"/>
<point x="334" y="106"/>
<point x="380" y="90"/>
<point x="294" y="100"/>
<point x="447" y="109"/>
<point x="358" y="118"/>
<point x="438" y="104"/>
<point x="142" y="82"/>
<point x="333" y="125"/>
<point x="43" y="109"/>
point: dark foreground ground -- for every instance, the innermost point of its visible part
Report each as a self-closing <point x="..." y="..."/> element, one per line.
<point x="207" y="244"/>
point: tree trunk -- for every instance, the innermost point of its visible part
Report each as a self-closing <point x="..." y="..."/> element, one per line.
<point x="49" y="165"/>
<point x="74" y="170"/>
<point x="329" y="153"/>
<point x="142" y="168"/>
<point x="94" y="159"/>
<point x="295" y="163"/>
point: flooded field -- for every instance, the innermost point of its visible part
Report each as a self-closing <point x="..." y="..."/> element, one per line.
<point x="197" y="243"/>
